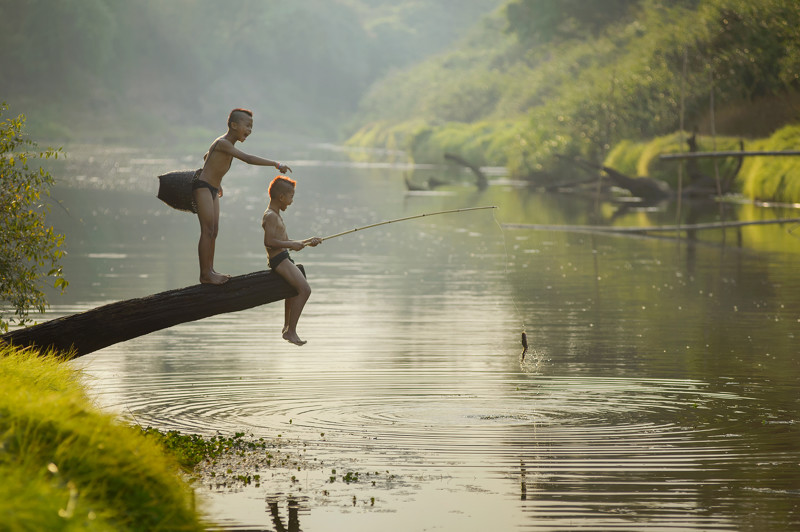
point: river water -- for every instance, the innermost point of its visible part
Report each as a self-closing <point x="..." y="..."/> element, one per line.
<point x="660" y="390"/>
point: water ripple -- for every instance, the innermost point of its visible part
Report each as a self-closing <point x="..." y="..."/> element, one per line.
<point x="494" y="416"/>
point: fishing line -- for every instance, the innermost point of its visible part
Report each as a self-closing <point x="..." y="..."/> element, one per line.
<point x="513" y="297"/>
<point x="505" y="248"/>
<point x="407" y="218"/>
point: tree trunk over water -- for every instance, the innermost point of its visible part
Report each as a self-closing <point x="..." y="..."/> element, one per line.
<point x="80" y="334"/>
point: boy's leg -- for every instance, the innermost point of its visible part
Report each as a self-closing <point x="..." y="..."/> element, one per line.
<point x="214" y="241"/>
<point x="294" y="305"/>
<point x="208" y="215"/>
<point x="287" y="313"/>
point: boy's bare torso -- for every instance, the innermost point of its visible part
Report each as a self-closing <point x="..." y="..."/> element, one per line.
<point x="272" y="223"/>
<point x="217" y="163"/>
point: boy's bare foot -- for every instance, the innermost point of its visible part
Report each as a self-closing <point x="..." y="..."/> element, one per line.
<point x="293" y="338"/>
<point x="214" y="278"/>
<point x="215" y="272"/>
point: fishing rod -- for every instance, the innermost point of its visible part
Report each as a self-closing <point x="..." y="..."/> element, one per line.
<point x="407" y="218"/>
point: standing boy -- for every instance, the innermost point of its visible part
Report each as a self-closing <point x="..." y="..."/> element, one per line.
<point x="276" y="240"/>
<point x="207" y="187"/>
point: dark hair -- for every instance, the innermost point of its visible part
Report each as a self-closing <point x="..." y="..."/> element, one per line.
<point x="237" y="113"/>
<point x="280" y="185"/>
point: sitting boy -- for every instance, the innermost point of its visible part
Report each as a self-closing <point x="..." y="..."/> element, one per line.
<point x="276" y="240"/>
<point x="207" y="187"/>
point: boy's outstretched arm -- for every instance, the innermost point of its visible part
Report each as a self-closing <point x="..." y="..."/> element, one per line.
<point x="227" y="147"/>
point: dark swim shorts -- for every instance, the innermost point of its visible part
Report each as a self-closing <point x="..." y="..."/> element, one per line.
<point x="280" y="257"/>
<point x="197" y="183"/>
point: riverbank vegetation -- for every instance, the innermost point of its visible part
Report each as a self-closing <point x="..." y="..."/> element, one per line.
<point x="66" y="466"/>
<point x="30" y="248"/>
<point x="770" y="179"/>
<point x="539" y="82"/>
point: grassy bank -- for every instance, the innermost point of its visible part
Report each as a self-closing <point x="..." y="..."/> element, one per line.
<point x="67" y="466"/>
<point x="773" y="179"/>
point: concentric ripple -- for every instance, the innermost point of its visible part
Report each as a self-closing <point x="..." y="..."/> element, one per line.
<point x="494" y="414"/>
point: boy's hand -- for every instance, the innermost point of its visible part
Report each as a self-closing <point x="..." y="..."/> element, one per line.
<point x="283" y="168"/>
<point x="296" y="246"/>
<point x="313" y="242"/>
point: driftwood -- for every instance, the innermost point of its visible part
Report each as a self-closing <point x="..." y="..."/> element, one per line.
<point x="430" y="184"/>
<point x="415" y="187"/>
<point x="650" y="229"/>
<point x="646" y="188"/>
<point x="570" y="184"/>
<point x="480" y="177"/>
<point x="80" y="334"/>
<point x="703" y="185"/>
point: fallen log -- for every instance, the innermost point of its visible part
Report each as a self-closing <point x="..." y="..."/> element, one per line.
<point x="86" y="332"/>
<point x="646" y="188"/>
<point x="647" y="229"/>
<point x="480" y="177"/>
<point x="722" y="154"/>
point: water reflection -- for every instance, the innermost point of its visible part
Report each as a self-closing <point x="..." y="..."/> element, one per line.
<point x="293" y="522"/>
<point x="659" y="390"/>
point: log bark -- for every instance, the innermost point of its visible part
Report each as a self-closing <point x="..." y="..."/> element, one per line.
<point x="480" y="178"/>
<point x="646" y="188"/>
<point x="86" y="332"/>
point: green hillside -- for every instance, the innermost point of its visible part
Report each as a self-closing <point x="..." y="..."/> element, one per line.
<point x="538" y="79"/>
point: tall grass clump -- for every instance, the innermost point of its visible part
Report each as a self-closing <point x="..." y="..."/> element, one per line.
<point x="774" y="178"/>
<point x="66" y="466"/>
<point x="650" y="164"/>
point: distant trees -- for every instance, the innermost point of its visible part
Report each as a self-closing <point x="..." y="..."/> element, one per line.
<point x="30" y="250"/>
<point x="540" y="21"/>
<point x="304" y="64"/>
<point x="48" y="45"/>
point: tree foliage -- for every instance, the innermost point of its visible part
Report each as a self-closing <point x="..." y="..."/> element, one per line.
<point x="30" y="250"/>
<point x="540" y="21"/>
<point x="577" y="77"/>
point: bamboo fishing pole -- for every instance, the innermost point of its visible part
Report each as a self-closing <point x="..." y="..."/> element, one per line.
<point x="407" y="218"/>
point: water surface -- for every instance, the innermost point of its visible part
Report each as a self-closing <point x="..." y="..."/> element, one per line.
<point x="659" y="392"/>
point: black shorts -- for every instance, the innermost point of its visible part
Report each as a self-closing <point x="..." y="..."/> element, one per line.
<point x="197" y="183"/>
<point x="280" y="257"/>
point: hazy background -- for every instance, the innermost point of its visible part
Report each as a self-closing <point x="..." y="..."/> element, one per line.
<point x="107" y="70"/>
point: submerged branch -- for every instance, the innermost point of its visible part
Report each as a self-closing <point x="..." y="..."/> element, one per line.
<point x="650" y="229"/>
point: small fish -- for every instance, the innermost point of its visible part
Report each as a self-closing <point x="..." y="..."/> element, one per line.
<point x="524" y="344"/>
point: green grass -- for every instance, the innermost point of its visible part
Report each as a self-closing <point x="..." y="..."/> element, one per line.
<point x="66" y="466"/>
<point x="775" y="179"/>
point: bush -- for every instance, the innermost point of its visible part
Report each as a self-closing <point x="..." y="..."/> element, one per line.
<point x="774" y="178"/>
<point x="66" y="466"/>
<point x="29" y="248"/>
